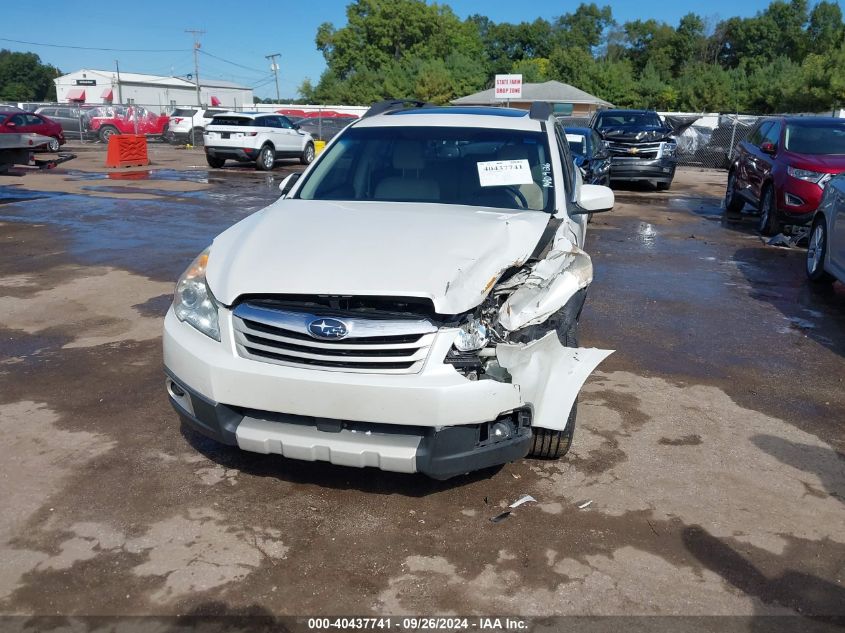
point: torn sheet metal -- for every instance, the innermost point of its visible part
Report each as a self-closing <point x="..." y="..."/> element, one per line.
<point x="549" y="284"/>
<point x="549" y="376"/>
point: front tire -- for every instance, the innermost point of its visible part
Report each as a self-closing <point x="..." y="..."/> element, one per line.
<point x="107" y="132"/>
<point x="215" y="162"/>
<point x="266" y="159"/>
<point x="733" y="202"/>
<point x="307" y="154"/>
<point x="769" y="224"/>
<point x="816" y="253"/>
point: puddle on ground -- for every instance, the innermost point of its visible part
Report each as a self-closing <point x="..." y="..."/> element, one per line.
<point x="156" y="238"/>
<point x="200" y="176"/>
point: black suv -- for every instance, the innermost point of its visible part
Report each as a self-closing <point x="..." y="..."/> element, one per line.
<point x="641" y="146"/>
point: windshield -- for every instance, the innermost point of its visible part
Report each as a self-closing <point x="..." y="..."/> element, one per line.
<point x="821" y="138"/>
<point x="628" y="119"/>
<point x="507" y="169"/>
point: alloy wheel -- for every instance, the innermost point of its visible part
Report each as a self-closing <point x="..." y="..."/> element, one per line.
<point x="815" y="249"/>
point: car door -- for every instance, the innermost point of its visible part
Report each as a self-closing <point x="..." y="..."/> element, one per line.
<point x="269" y="130"/>
<point x="752" y="161"/>
<point x="293" y="138"/>
<point x="836" y="229"/>
<point x="766" y="160"/>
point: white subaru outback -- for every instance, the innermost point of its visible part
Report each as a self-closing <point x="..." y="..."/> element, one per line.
<point x="257" y="137"/>
<point x="410" y="303"/>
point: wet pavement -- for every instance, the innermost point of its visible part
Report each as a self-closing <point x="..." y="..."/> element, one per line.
<point x="710" y="444"/>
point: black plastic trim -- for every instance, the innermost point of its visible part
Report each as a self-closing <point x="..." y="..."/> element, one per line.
<point x="212" y="419"/>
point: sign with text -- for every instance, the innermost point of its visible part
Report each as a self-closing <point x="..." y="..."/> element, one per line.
<point x="86" y="82"/>
<point x="508" y="86"/>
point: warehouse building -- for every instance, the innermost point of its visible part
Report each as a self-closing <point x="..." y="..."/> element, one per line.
<point x="156" y="93"/>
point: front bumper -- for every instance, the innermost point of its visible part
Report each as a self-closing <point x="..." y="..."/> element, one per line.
<point x="439" y="453"/>
<point x="634" y="169"/>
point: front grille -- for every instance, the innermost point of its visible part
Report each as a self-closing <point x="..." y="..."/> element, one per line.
<point x="372" y="345"/>
<point x="635" y="150"/>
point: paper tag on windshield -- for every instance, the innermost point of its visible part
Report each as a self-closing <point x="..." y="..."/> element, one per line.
<point x="575" y="138"/>
<point x="495" y="173"/>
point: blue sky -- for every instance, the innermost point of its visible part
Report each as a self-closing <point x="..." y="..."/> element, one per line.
<point x="243" y="32"/>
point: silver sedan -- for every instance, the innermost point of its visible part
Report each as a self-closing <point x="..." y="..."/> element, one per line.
<point x="826" y="252"/>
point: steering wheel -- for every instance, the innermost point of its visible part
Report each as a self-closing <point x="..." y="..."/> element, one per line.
<point x="518" y="195"/>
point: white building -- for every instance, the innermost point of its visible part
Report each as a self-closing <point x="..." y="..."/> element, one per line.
<point x="159" y="94"/>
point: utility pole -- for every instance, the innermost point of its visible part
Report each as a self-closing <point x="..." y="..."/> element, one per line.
<point x="196" y="33"/>
<point x="275" y="68"/>
<point x="119" y="91"/>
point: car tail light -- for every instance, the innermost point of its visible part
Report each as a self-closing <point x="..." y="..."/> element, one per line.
<point x="177" y="119"/>
<point x="247" y="150"/>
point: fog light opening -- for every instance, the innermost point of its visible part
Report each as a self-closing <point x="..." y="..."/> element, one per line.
<point x="793" y="201"/>
<point x="175" y="390"/>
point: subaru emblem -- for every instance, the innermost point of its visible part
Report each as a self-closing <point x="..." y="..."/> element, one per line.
<point x="328" y="328"/>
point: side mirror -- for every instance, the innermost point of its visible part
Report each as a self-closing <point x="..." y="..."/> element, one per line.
<point x="594" y="199"/>
<point x="768" y="148"/>
<point x="296" y="126"/>
<point x="287" y="184"/>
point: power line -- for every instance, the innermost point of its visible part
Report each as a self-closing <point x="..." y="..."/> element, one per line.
<point x="93" y="48"/>
<point x="232" y="63"/>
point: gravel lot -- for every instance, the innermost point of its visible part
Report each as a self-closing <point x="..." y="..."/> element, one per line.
<point x="710" y="444"/>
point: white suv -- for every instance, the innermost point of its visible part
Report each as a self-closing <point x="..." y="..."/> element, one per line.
<point x="187" y="125"/>
<point x="410" y="303"/>
<point x="255" y="137"/>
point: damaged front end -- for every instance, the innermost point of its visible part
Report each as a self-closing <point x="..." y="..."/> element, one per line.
<point x="525" y="333"/>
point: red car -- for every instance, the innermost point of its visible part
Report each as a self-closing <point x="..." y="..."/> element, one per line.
<point x="782" y="168"/>
<point x="14" y="121"/>
<point x="108" y="120"/>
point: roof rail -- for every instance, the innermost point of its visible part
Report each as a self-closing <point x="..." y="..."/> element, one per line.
<point x="390" y="105"/>
<point x="540" y="110"/>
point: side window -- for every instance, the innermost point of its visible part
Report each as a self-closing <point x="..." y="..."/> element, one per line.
<point x="31" y="119"/>
<point x="772" y="134"/>
<point x="756" y="137"/>
<point x="284" y="122"/>
<point x="266" y="121"/>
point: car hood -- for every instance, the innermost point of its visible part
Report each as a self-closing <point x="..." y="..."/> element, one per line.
<point x="830" y="163"/>
<point x="447" y="253"/>
<point x="639" y="134"/>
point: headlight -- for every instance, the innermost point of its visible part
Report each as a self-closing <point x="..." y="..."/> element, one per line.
<point x="471" y="336"/>
<point x="193" y="301"/>
<point x="669" y="149"/>
<point x="806" y="174"/>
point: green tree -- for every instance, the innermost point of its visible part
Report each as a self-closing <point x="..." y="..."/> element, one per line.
<point x="585" y="27"/>
<point x="24" y="78"/>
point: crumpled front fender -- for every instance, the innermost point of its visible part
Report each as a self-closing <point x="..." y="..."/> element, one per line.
<point x="549" y="376"/>
<point x="549" y="285"/>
